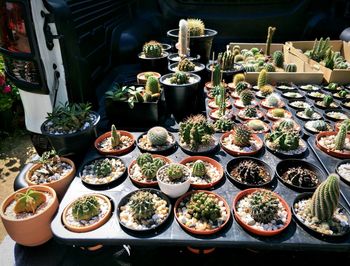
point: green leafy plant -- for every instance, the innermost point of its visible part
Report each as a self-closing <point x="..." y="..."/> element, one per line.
<point x="130" y="94"/>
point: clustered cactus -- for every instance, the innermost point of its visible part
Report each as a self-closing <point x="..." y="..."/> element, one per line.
<point x="180" y="78"/>
<point x="196" y="27"/>
<point x="241" y="136"/>
<point x="286" y="124"/>
<point x="198" y="168"/>
<point x="157" y="136"/>
<point x="175" y="172"/>
<point x="186" y="65"/>
<point x="115" y="137"/>
<point x="85" y="208"/>
<point x="266" y="90"/>
<point x="152" y="49"/>
<point x="29" y="201"/>
<point x="195" y="131"/>
<point x="142" y="205"/>
<point x="278" y="59"/>
<point x="264" y="206"/>
<point x="223" y="125"/>
<point x="301" y="177"/>
<point x="103" y="168"/>
<point x="204" y="206"/>
<point x="149" y="165"/>
<point x="241" y="86"/>
<point x="250" y="172"/>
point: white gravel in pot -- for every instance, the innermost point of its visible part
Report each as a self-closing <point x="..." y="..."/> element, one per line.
<point x="145" y="144"/>
<point x="344" y="171"/>
<point x="106" y="144"/>
<point x="329" y="142"/>
<point x="228" y="143"/>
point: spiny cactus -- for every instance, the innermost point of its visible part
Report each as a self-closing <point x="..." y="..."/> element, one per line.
<point x="270" y="67"/>
<point x="309" y="112"/>
<point x="266" y="90"/>
<point x="196" y="27"/>
<point x="340" y="137"/>
<point x="264" y="206"/>
<point x="246" y="96"/>
<point x="186" y="65"/>
<point x="291" y="67"/>
<point x="256" y="125"/>
<point x="152" y="86"/>
<point x="158" y="162"/>
<point x="248" y="54"/>
<point x="319" y="50"/>
<point x="183" y="38"/>
<point x="286" y="124"/>
<point x="250" y="172"/>
<point x="115" y="137"/>
<point x="144" y="158"/>
<point x="241" y="86"/>
<point x="270" y="32"/>
<point x="196" y="131"/>
<point x="319" y="125"/>
<point x="149" y="170"/>
<point x="238" y="58"/>
<point x="216" y="75"/>
<point x="325" y="200"/>
<point x="262" y="78"/>
<point x="249" y="67"/>
<point x="175" y="172"/>
<point x="179" y="78"/>
<point x="85" y="208"/>
<point x="250" y="112"/>
<point x="278" y="59"/>
<point x="284" y="140"/>
<point x="272" y="100"/>
<point x="221" y="101"/>
<point x="226" y="60"/>
<point x="238" y="78"/>
<point x="277" y="112"/>
<point x="204" y="206"/>
<point x="142" y="205"/>
<point x="103" y="167"/>
<point x="223" y="125"/>
<point x="241" y="136"/>
<point x="28" y="201"/>
<point x="152" y="49"/>
<point x="342" y="93"/>
<point x="157" y="136"/>
<point x="198" y="168"/>
<point x="327" y="100"/>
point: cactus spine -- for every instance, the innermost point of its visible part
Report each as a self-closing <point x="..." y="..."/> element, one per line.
<point x="266" y="90"/>
<point x="269" y="67"/>
<point x="85" y="208"/>
<point x="157" y="136"/>
<point x="241" y="86"/>
<point x="142" y="205"/>
<point x="340" y="137"/>
<point x="262" y="78"/>
<point x="115" y="137"/>
<point x="270" y="32"/>
<point x="186" y="65"/>
<point x="175" y="172"/>
<point x="241" y="136"/>
<point x="246" y="97"/>
<point x="152" y="49"/>
<point x="198" y="168"/>
<point x="196" y="27"/>
<point x="183" y="38"/>
<point x="278" y="59"/>
<point x="28" y="201"/>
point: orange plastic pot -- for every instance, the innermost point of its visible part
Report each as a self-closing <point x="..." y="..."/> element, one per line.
<point x="337" y="154"/>
<point x="114" y="151"/>
<point x="238" y="153"/>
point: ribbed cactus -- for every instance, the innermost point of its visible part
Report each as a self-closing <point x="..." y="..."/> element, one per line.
<point x="216" y="75"/>
<point x="175" y="172"/>
<point x="319" y="50"/>
<point x="284" y="140"/>
<point x="270" y="32"/>
<point x="309" y="112"/>
<point x="226" y="60"/>
<point x="264" y="206"/>
<point x="241" y="136"/>
<point x="238" y="58"/>
<point x="250" y="112"/>
<point x="241" y="86"/>
<point x="28" y="201"/>
<point x="238" y="78"/>
<point x="103" y="167"/>
<point x="269" y="67"/>
<point x="325" y="200"/>
<point x="183" y="38"/>
<point x="85" y="208"/>
<point x="115" y="137"/>
<point x="249" y="67"/>
<point x="327" y="100"/>
<point x="144" y="158"/>
<point x="157" y="136"/>
<point x="142" y="205"/>
<point x="340" y="137"/>
<point x="179" y="78"/>
<point x="198" y="168"/>
<point x="291" y="67"/>
<point x="246" y="96"/>
<point x="272" y="100"/>
<point x="278" y="59"/>
<point x="186" y="65"/>
<point x="158" y="162"/>
<point x="286" y="124"/>
<point x="319" y="125"/>
<point x="262" y="78"/>
<point x="149" y="170"/>
<point x="152" y="85"/>
<point x="223" y="125"/>
<point x="266" y="90"/>
<point x="196" y="27"/>
<point x="152" y="49"/>
<point x="342" y="93"/>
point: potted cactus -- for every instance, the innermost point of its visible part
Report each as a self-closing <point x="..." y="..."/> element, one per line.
<point x="308" y="114"/>
<point x="321" y="212"/>
<point x="336" y="115"/>
<point x="223" y="125"/>
<point x="174" y="179"/>
<point x="272" y="101"/>
<point x="143" y="170"/>
<point x="291" y="95"/>
<point x="87" y="213"/>
<point x="53" y="171"/>
<point x="181" y="92"/>
<point x="143" y="210"/>
<point x="246" y="98"/>
<point x="200" y="38"/>
<point x="27" y="214"/>
<point x="257" y="126"/>
<point x="71" y="128"/>
<point x="317" y="126"/>
<point x="115" y="142"/>
<point x="153" y="57"/>
<point x="250" y="113"/>
<point x="286" y="124"/>
<point x="240" y="86"/>
<point x="143" y="76"/>
<point x="278" y="113"/>
<point x="299" y="105"/>
<point x="327" y="103"/>
<point x="223" y="105"/>
<point x="264" y="91"/>
<point x="186" y="65"/>
<point x="156" y="140"/>
<point x="316" y="95"/>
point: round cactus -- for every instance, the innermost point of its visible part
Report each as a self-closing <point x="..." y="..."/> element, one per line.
<point x="241" y="86"/>
<point x="309" y="112"/>
<point x="278" y="112"/>
<point x="264" y="206"/>
<point x="262" y="78"/>
<point x="223" y="125"/>
<point x="103" y="167"/>
<point x="186" y="65"/>
<point x="241" y="136"/>
<point x="270" y="67"/>
<point x="157" y="136"/>
<point x="179" y="78"/>
<point x="149" y="170"/>
<point x="238" y="58"/>
<point x="327" y="100"/>
<point x="152" y="49"/>
<point x="319" y="125"/>
<point x="144" y="158"/>
<point x="238" y="78"/>
<point x="255" y="50"/>
<point x="158" y="162"/>
<point x="142" y="205"/>
<point x="286" y="124"/>
<point x="246" y="97"/>
<point x="250" y="112"/>
<point x="278" y="59"/>
<point x="152" y="85"/>
<point x="85" y="208"/>
<point x="272" y="100"/>
<point x="291" y="67"/>
<point x="195" y="27"/>
<point x="266" y="90"/>
<point x="175" y="172"/>
<point x="249" y="68"/>
<point x="198" y="168"/>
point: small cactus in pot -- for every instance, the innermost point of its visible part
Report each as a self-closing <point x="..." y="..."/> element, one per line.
<point x="241" y="136"/>
<point x="157" y="136"/>
<point x="223" y="125"/>
<point x="142" y="205"/>
<point x="291" y="67"/>
<point x="152" y="49"/>
<point x="179" y="78"/>
<point x="246" y="96"/>
<point x="85" y="208"/>
<point x="186" y="65"/>
<point x="262" y="78"/>
<point x="196" y="27"/>
<point x="198" y="168"/>
<point x="278" y="59"/>
<point x="264" y="206"/>
<point x="340" y="137"/>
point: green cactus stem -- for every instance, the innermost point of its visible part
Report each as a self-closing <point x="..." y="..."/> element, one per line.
<point x="85" y="208"/>
<point x="144" y="158"/>
<point x="152" y="49"/>
<point x="340" y="137"/>
<point x="29" y="201"/>
<point x="186" y="65"/>
<point x="175" y="172"/>
<point x="198" y="168"/>
<point x="149" y="170"/>
<point x="270" y="32"/>
<point x="246" y="96"/>
<point x="152" y="85"/>
<point x="115" y="137"/>
<point x="241" y="136"/>
<point x="262" y="78"/>
<point x="291" y="67"/>
<point x="157" y="136"/>
<point x="278" y="59"/>
<point x="180" y="78"/>
<point x="142" y="205"/>
<point x="264" y="206"/>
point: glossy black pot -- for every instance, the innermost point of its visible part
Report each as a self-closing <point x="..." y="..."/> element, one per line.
<point x="157" y="64"/>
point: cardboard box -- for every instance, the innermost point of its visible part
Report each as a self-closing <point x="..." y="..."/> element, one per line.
<point x="297" y="49"/>
<point x="304" y="74"/>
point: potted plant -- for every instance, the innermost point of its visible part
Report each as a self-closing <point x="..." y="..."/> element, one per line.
<point x="200" y="38"/>
<point x="341" y="95"/>
<point x="143" y="76"/>
<point x="215" y="79"/>
<point x="153" y="58"/>
<point x="309" y="87"/>
<point x="327" y="103"/>
<point x="286" y="124"/>
<point x="291" y="95"/>
<point x="299" y="105"/>
<point x="223" y="106"/>
<point x="264" y="91"/>
<point x="27" y="213"/>
<point x="134" y="105"/>
<point x="250" y="113"/>
<point x="308" y="114"/>
<point x="272" y="101"/>
<point x="333" y="87"/>
<point x="239" y="77"/>
<point x="336" y="115"/>
<point x="246" y="98"/>
<point x="71" y="128"/>
<point x="53" y="171"/>
<point x="156" y="140"/>
<point x="317" y="126"/>
<point x="315" y="95"/>
<point x="115" y="142"/>
<point x="261" y="212"/>
<point x="174" y="179"/>
<point x="187" y="65"/>
<point x="87" y="213"/>
<point x="181" y="92"/>
<point x="223" y="125"/>
<point x="278" y="113"/>
<point x="257" y="126"/>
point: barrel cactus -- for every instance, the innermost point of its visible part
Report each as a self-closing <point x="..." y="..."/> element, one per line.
<point x="158" y="162"/>
<point x="246" y="96"/>
<point x="144" y="158"/>
<point x="309" y="111"/>
<point x="264" y="206"/>
<point x="319" y="125"/>
<point x="195" y="26"/>
<point x="28" y="201"/>
<point x="266" y="90"/>
<point x="115" y="137"/>
<point x="340" y="137"/>
<point x="103" y="167"/>
<point x="291" y="67"/>
<point x="238" y="78"/>
<point x="241" y="136"/>
<point x="249" y="68"/>
<point x="278" y="112"/>
<point x="327" y="100"/>
<point x="256" y="125"/>
<point x="157" y="136"/>
<point x="272" y="100"/>
<point x="270" y="67"/>
<point x="238" y="58"/>
<point x="278" y="59"/>
<point x="149" y="170"/>
<point x="241" y="86"/>
<point x="286" y="124"/>
<point x="250" y="112"/>
<point x="152" y="85"/>
<point x="85" y="208"/>
<point x="180" y="78"/>
<point x="175" y="172"/>
<point x="198" y="168"/>
<point x="262" y="78"/>
<point x="152" y="49"/>
<point x="142" y="205"/>
<point x="186" y="65"/>
<point x="325" y="200"/>
<point x="226" y="60"/>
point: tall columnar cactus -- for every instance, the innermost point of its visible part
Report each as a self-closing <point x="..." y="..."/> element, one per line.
<point x="149" y="170"/>
<point x="325" y="200"/>
<point x="226" y="60"/>
<point x="85" y="208"/>
<point x="291" y="67"/>
<point x="222" y="102"/>
<point x="183" y="38"/>
<point x="340" y="137"/>
<point x="180" y="78"/>
<point x="241" y="86"/>
<point x="28" y="201"/>
<point x="198" y="168"/>
<point x="152" y="49"/>
<point x="186" y="65"/>
<point x="196" y="27"/>
<point x="327" y="100"/>
<point x="262" y="78"/>
<point x="142" y="205"/>
<point x="175" y="172"/>
<point x="241" y="136"/>
<point x="246" y="96"/>
<point x="269" y="67"/>
<point x="319" y="50"/>
<point x="216" y="75"/>
<point x="278" y="58"/>
<point x="264" y="206"/>
<point x="144" y="158"/>
<point x="152" y="86"/>
<point x="238" y="78"/>
<point x="115" y="137"/>
<point x="157" y="136"/>
<point x="270" y="32"/>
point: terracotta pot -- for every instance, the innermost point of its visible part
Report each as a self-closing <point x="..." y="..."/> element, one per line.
<point x="344" y="155"/>
<point x="208" y="85"/>
<point x="115" y="152"/>
<point x="267" y="128"/>
<point x="213" y="117"/>
<point x="213" y="162"/>
<point x="251" y="229"/>
<point x="141" y="79"/>
<point x="201" y="232"/>
<point x="234" y="95"/>
<point x="287" y="114"/>
<point x="91" y="227"/>
<point x="150" y="183"/>
<point x="235" y="103"/>
<point x="228" y="104"/>
<point x="61" y="185"/>
<point x="264" y="105"/>
<point x="34" y="230"/>
<point x="241" y="153"/>
<point x="260" y="116"/>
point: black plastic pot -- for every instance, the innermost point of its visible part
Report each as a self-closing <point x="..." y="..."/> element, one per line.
<point x="181" y="100"/>
<point x="75" y="143"/>
<point x="157" y="64"/>
<point x="174" y="58"/>
<point x="227" y="75"/>
<point x="166" y="47"/>
<point x="198" y="44"/>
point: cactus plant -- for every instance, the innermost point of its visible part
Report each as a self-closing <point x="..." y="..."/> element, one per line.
<point x="249" y="67"/>
<point x="28" y="201"/>
<point x="183" y="38"/>
<point x="325" y="200"/>
<point x="226" y="60"/>
<point x="221" y="101"/>
<point x="319" y="50"/>
<point x="284" y="140"/>
<point x="327" y="100"/>
<point x="272" y="100"/>
<point x="291" y="67"/>
<point x="278" y="112"/>
<point x="152" y="85"/>
<point x="103" y="167"/>
<point x="319" y="125"/>
<point x="309" y="112"/>
<point x="144" y="158"/>
<point x="157" y="136"/>
<point x="278" y="59"/>
<point x="340" y="137"/>
<point x="175" y="172"/>
<point x="342" y="93"/>
<point x="241" y="86"/>
<point x="198" y="168"/>
<point x="85" y="208"/>
<point x="158" y="162"/>
<point x="115" y="137"/>
<point x="203" y="206"/>
<point x="286" y="124"/>
<point x="250" y="112"/>
<point x="238" y="78"/>
<point x="238" y="58"/>
<point x="269" y="67"/>
<point x="262" y="78"/>
<point x="223" y="125"/>
<point x="241" y="136"/>
<point x="179" y="78"/>
<point x="216" y="75"/>
<point x="149" y="170"/>
<point x="195" y="27"/>
<point x="264" y="206"/>
<point x="256" y="125"/>
<point x="270" y="32"/>
<point x="250" y="172"/>
<point x="152" y="49"/>
<point x="142" y="205"/>
<point x="266" y="90"/>
<point x="246" y="96"/>
<point x="186" y="65"/>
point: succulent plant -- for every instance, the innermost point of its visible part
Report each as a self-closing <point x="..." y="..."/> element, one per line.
<point x="142" y="205"/>
<point x="238" y="58"/>
<point x="262" y="78"/>
<point x="204" y="206"/>
<point x="103" y="167"/>
<point x="157" y="136"/>
<point x="342" y="93"/>
<point x="264" y="206"/>
<point x="28" y="201"/>
<point x="291" y="67"/>
<point x="309" y="111"/>
<point x="216" y="75"/>
<point x="340" y="137"/>
<point x="175" y="172"/>
<point x="195" y="26"/>
<point x="301" y="177"/>
<point x="332" y="86"/>
<point x="186" y="65"/>
<point x="241" y="136"/>
<point x="278" y="58"/>
<point x="144" y="158"/>
<point x="249" y="67"/>
<point x="152" y="87"/>
<point x="179" y="78"/>
<point x="266" y="90"/>
<point x="223" y="125"/>
<point x="250" y="112"/>
<point x="241" y="86"/>
<point x="149" y="170"/>
<point x="327" y="100"/>
<point x="319" y="50"/>
<point x="270" y="67"/>
<point x="277" y="112"/>
<point x="286" y="124"/>
<point x="325" y="200"/>
<point x="196" y="131"/>
<point x="238" y="78"/>
<point x="250" y="172"/>
<point x="85" y="208"/>
<point x="284" y="140"/>
<point x="226" y="60"/>
<point x="272" y="100"/>
<point x="319" y="125"/>
<point x="152" y="49"/>
<point x="220" y="100"/>
<point x="256" y="125"/>
<point x="115" y="137"/>
<point x="270" y="32"/>
<point x="255" y="50"/>
<point x="246" y="96"/>
<point x="198" y="168"/>
<point x="158" y="162"/>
